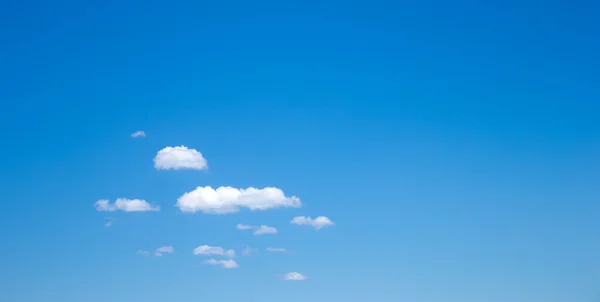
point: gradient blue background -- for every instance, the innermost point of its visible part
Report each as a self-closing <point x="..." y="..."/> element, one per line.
<point x="456" y="145"/>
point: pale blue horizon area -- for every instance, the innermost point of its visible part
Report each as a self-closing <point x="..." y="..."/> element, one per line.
<point x="456" y="146"/>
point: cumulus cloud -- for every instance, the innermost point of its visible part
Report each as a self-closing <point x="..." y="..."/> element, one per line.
<point x="276" y="250"/>
<point x="226" y="200"/>
<point x="164" y="250"/>
<point x="223" y="263"/>
<point x="294" y="276"/>
<point x="213" y="250"/>
<point x="126" y="205"/>
<point x="177" y="158"/>
<point x="258" y="230"/>
<point x="317" y="223"/>
<point x="138" y="134"/>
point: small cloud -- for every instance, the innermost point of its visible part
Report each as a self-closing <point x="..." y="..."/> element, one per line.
<point x="213" y="250"/>
<point x="164" y="250"/>
<point x="109" y="222"/>
<point x="258" y="230"/>
<point x="126" y="205"/>
<point x="223" y="263"/>
<point x="138" y="134"/>
<point x="227" y="200"/>
<point x="244" y="226"/>
<point x="276" y="250"/>
<point x="142" y="252"/>
<point x="317" y="223"/>
<point x="178" y="158"/>
<point x="293" y="276"/>
<point x="247" y="251"/>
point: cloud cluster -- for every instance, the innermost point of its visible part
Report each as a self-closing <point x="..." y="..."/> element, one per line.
<point x="126" y="205"/>
<point x="258" y="230"/>
<point x="178" y="158"/>
<point x="220" y="200"/>
<point x="226" y="200"/>
<point x="213" y="250"/>
<point x="317" y="223"/>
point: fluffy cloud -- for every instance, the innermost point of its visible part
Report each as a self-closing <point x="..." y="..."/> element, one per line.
<point x="223" y="263"/>
<point x="258" y="230"/>
<point x="293" y="276"/>
<point x="225" y="200"/>
<point x="177" y="158"/>
<point x="164" y="250"/>
<point x="213" y="250"/>
<point x="138" y="134"/>
<point x="317" y="223"/>
<point x="126" y="205"/>
<point x="276" y="250"/>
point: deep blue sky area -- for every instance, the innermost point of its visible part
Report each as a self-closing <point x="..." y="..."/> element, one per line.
<point x="454" y="144"/>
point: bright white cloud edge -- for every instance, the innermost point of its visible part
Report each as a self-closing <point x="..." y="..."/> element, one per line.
<point x="126" y="205"/>
<point x="317" y="223"/>
<point x="178" y="158"/>
<point x="227" y="200"/>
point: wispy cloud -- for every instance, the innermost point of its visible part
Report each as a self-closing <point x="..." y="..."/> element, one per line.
<point x="317" y="223"/>
<point x="229" y="263"/>
<point x="108" y="222"/>
<point x="138" y="134"/>
<point x="126" y="205"/>
<point x="164" y="250"/>
<point x="258" y="230"/>
<point x="159" y="251"/>
<point x="294" y="276"/>
<point x="276" y="250"/>
<point x="213" y="250"/>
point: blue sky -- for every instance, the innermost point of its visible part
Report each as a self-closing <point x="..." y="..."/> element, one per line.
<point x="455" y="145"/>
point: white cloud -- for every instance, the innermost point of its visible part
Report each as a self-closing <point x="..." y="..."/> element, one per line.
<point x="164" y="250"/>
<point x="223" y="263"/>
<point x="225" y="200"/>
<point x="126" y="205"/>
<point x="177" y="158"/>
<point x="138" y="134"/>
<point x="276" y="250"/>
<point x="213" y="250"/>
<point x="244" y="227"/>
<point x="293" y="276"/>
<point x="109" y="222"/>
<point x="142" y="252"/>
<point x="258" y="230"/>
<point x="317" y="223"/>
